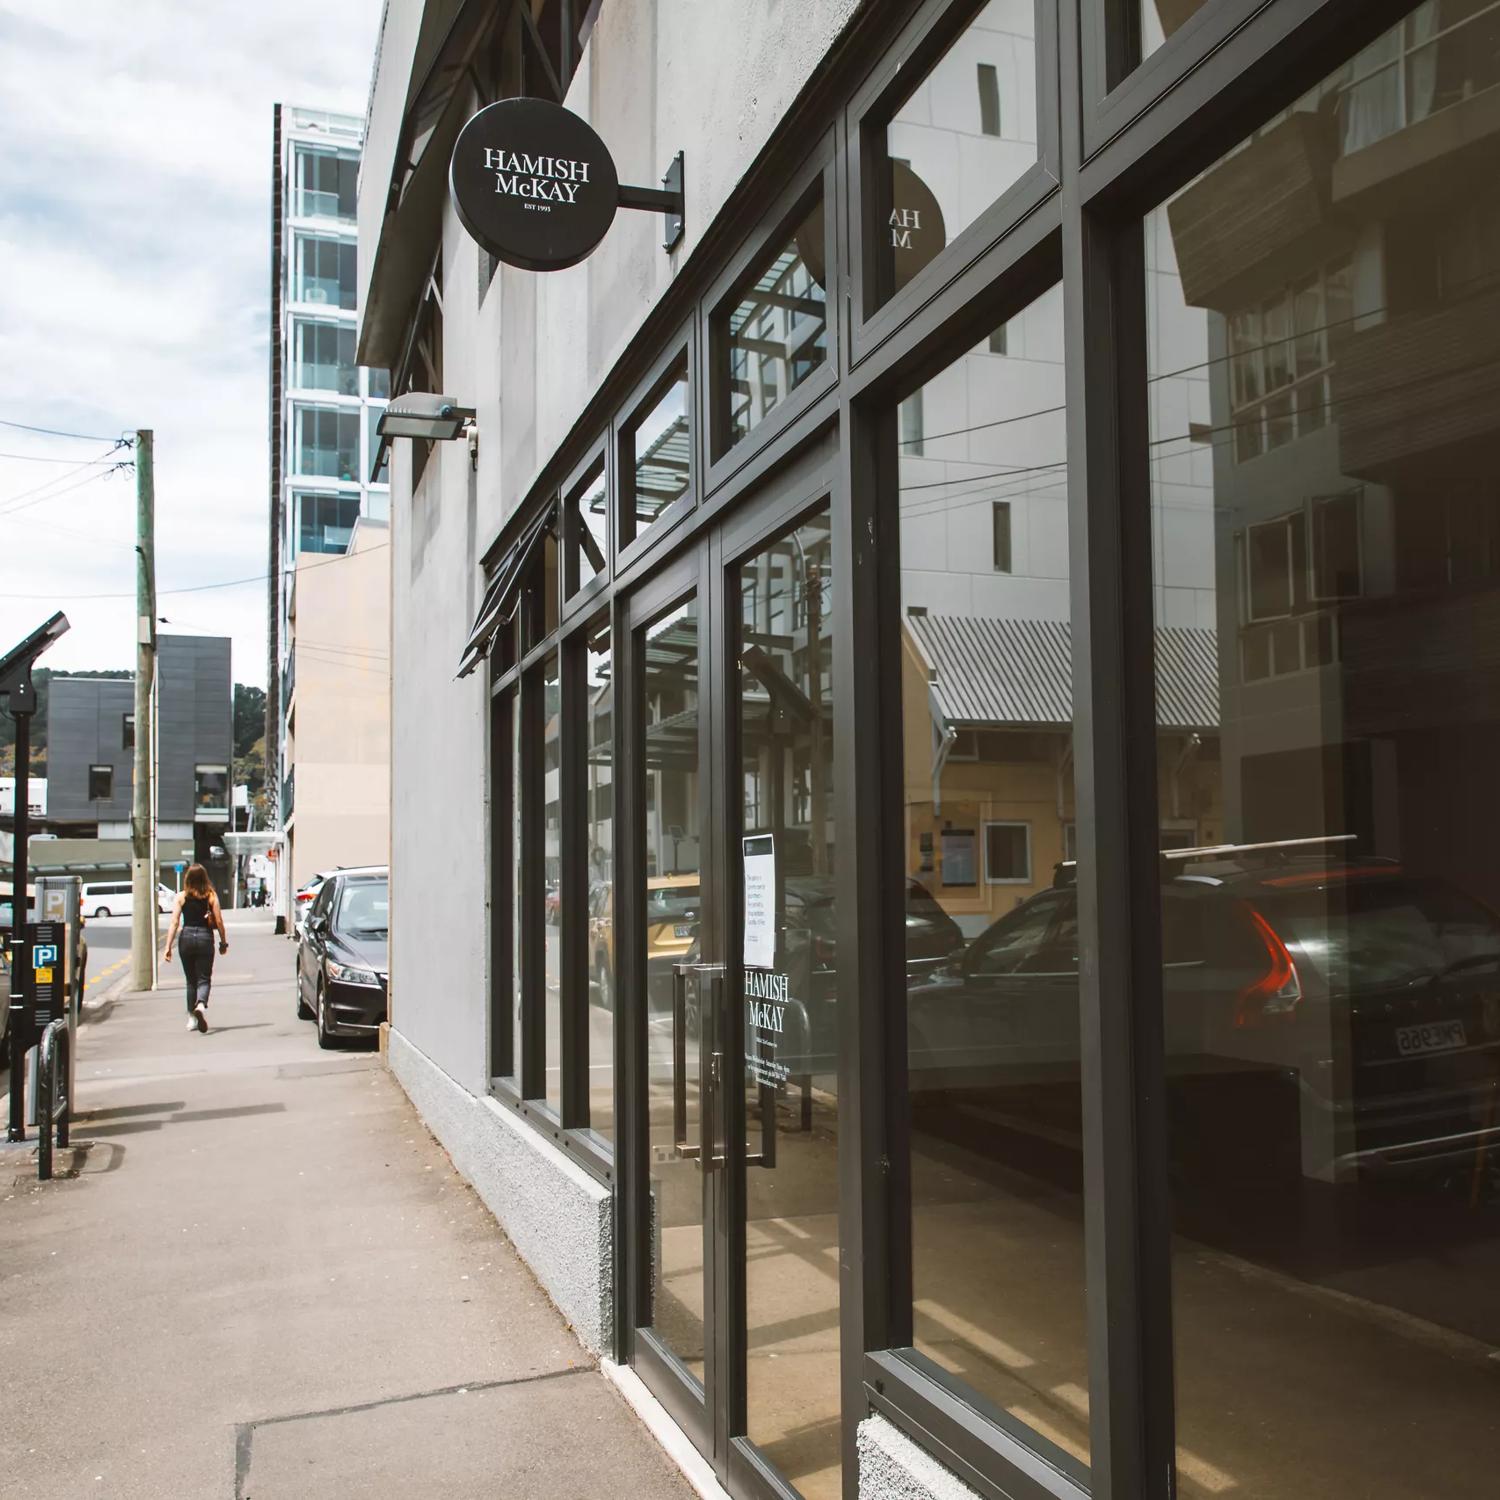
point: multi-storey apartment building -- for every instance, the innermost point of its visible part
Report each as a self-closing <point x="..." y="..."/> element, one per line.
<point x="324" y="411"/>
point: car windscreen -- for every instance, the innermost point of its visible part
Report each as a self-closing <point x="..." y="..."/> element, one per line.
<point x="672" y="903"/>
<point x="364" y="909"/>
<point x="1369" y="934"/>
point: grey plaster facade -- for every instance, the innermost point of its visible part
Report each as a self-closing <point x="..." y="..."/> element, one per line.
<point x="557" y="1216"/>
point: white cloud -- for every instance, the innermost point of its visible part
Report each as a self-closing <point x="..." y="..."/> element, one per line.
<point x="134" y="292"/>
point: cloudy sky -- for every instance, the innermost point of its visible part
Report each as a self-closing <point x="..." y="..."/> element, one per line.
<point x="135" y="181"/>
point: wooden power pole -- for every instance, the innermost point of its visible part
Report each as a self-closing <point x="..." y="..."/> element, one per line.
<point x="142" y="860"/>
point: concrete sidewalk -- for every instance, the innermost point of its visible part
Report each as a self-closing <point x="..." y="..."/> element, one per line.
<point x="265" y="1281"/>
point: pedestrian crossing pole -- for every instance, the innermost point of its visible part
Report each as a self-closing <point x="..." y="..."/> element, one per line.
<point x="142" y="863"/>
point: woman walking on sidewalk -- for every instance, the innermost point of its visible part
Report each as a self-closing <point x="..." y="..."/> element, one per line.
<point x="196" y="912"/>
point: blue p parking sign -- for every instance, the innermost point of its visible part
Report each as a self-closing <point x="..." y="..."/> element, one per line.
<point x="43" y="955"/>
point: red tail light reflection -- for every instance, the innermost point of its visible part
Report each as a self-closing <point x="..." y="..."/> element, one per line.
<point x="1276" y="993"/>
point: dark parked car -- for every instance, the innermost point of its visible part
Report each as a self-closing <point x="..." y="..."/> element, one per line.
<point x="1340" y="1015"/>
<point x="341" y="957"/>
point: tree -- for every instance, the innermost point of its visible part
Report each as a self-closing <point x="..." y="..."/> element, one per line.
<point x="249" y="717"/>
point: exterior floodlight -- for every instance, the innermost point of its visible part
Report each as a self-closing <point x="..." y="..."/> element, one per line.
<point x="424" y="414"/>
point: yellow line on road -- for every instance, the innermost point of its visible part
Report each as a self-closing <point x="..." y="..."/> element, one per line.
<point x="119" y="963"/>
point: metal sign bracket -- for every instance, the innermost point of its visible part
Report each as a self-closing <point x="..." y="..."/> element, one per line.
<point x="668" y="200"/>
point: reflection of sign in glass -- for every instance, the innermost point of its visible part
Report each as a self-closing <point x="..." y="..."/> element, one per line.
<point x="533" y="184"/>
<point x="918" y="231"/>
<point x="766" y="995"/>
<point x="958" y="857"/>
<point x="760" y="901"/>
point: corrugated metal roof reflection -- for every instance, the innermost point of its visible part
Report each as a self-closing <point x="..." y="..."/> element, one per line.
<point x="991" y="670"/>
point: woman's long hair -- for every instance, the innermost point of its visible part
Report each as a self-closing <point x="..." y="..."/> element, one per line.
<point x="196" y="882"/>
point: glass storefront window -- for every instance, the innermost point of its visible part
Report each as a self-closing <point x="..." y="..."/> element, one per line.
<point x="587" y="524"/>
<point x="599" y="791"/>
<point x="965" y="134"/>
<point x="659" y="451"/>
<point x="1327" y="567"/>
<point x="776" y="332"/>
<point x="991" y="918"/>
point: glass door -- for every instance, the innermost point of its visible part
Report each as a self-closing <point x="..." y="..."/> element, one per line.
<point x="780" y="991"/>
<point x="735" y="1216"/>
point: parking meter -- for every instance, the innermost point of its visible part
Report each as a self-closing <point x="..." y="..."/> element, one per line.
<point x="58" y="906"/>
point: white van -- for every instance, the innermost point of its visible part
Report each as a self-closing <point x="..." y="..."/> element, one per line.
<point x="113" y="898"/>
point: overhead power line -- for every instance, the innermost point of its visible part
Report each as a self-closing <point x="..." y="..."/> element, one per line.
<point x="83" y="437"/>
<point x="200" y="588"/>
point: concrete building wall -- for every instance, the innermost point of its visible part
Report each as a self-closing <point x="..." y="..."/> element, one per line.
<point x="341" y="710"/>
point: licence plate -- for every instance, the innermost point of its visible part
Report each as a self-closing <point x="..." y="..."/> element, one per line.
<point x="683" y="929"/>
<point x="1434" y="1036"/>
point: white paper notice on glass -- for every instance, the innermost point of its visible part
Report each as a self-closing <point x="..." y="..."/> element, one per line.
<point x="760" y="901"/>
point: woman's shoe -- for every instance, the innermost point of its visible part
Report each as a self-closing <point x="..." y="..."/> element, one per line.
<point x="202" y="1015"/>
<point x="192" y="1024"/>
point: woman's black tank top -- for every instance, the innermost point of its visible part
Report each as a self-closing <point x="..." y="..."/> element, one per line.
<point x="195" y="911"/>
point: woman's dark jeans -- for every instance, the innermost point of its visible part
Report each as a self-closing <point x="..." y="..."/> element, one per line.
<point x="195" y="947"/>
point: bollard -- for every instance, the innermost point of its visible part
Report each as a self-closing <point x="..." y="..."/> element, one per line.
<point x="52" y="1081"/>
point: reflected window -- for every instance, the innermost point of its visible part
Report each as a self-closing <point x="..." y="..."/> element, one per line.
<point x="953" y="146"/>
<point x="1325" y="587"/>
<point x="777" y="329"/>
<point x="997" y="1252"/>
<point x="658" y="448"/>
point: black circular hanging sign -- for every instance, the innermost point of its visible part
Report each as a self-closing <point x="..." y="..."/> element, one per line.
<point x="533" y="184"/>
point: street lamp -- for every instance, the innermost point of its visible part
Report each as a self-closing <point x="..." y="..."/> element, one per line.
<point x="19" y="692"/>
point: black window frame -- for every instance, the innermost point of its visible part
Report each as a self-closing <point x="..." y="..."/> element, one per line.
<point x="105" y="775"/>
<point x="628" y="544"/>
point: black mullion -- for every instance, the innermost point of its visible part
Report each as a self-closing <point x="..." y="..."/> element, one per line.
<point x="574" y="812"/>
<point x="502" y="878"/>
<point x="1127" y="1228"/>
<point x="629" y="1155"/>
<point x="533" y="1060"/>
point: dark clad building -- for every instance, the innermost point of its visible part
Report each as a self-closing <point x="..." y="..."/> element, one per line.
<point x="91" y="738"/>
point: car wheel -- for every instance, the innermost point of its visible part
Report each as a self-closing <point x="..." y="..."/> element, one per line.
<point x="303" y="1013"/>
<point x="103" y="911"/>
<point x="325" y="1041"/>
<point x="601" y="978"/>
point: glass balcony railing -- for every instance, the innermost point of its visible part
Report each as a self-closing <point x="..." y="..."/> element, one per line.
<point x="312" y="376"/>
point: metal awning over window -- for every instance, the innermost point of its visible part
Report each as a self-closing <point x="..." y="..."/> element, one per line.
<point x="503" y="594"/>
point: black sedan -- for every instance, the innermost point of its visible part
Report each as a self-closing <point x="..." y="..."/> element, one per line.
<point x="341" y="958"/>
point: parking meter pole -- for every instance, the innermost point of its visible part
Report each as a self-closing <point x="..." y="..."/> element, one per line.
<point x="22" y="706"/>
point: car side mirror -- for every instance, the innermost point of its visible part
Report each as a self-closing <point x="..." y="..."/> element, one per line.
<point x="318" y="923"/>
